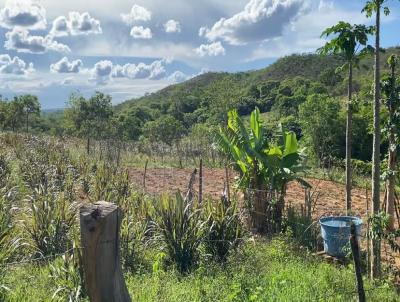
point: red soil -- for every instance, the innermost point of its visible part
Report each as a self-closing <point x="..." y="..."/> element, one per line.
<point x="330" y="200"/>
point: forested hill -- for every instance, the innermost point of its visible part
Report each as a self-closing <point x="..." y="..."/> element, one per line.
<point x="302" y="92"/>
<point x="309" y="66"/>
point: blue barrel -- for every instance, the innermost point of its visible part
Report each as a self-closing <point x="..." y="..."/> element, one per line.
<point x="335" y="231"/>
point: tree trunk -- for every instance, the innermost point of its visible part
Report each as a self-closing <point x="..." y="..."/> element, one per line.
<point x="391" y="181"/>
<point x="392" y="156"/>
<point x="376" y="244"/>
<point x="348" y="140"/>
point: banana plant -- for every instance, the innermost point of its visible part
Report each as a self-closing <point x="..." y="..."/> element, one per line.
<point x="265" y="165"/>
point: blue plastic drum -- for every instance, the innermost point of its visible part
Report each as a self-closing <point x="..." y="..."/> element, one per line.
<point x="335" y="231"/>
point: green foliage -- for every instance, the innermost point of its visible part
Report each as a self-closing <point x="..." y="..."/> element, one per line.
<point x="178" y="225"/>
<point x="379" y="230"/>
<point x="224" y="229"/>
<point x="89" y="118"/>
<point x="65" y="273"/>
<point x="166" y="129"/>
<point x="347" y="42"/>
<point x="48" y="221"/>
<point x="302" y="229"/>
<point x="263" y="165"/>
<point x="322" y="129"/>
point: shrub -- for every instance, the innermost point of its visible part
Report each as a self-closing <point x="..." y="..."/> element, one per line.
<point x="302" y="229"/>
<point x="224" y="229"/>
<point x="135" y="223"/>
<point x="48" y="221"/>
<point x="178" y="225"/>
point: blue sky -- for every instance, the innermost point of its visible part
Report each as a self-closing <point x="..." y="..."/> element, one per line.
<point x="129" y="48"/>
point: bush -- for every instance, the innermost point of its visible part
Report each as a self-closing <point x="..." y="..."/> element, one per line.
<point x="47" y="221"/>
<point x="224" y="229"/>
<point x="178" y="225"/>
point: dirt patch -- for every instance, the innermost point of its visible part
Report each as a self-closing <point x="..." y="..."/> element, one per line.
<point x="331" y="198"/>
<point x="330" y="201"/>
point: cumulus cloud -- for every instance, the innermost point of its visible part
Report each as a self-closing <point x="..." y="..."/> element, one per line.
<point x="140" y="32"/>
<point x="137" y="13"/>
<point x="213" y="49"/>
<point x="178" y="76"/>
<point x="14" y="65"/>
<point x="260" y="20"/>
<point x="172" y="26"/>
<point x="100" y="73"/>
<point x="21" y="41"/>
<point x="75" y="24"/>
<point x="154" y="71"/>
<point x="24" y="14"/>
<point x="65" y="66"/>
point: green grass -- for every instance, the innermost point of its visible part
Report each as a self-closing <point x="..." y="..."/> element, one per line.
<point x="261" y="271"/>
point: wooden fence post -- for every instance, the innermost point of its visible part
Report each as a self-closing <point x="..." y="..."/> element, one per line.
<point x="201" y="181"/>
<point x="355" y="250"/>
<point x="100" y="223"/>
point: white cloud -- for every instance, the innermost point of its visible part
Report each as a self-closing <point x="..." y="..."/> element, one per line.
<point x="140" y="32"/>
<point x="65" y="66"/>
<point x="178" y="76"/>
<point x="24" y="14"/>
<point x="75" y="24"/>
<point x="101" y="71"/>
<point x="172" y="26"/>
<point x="304" y="33"/>
<point x="14" y="65"/>
<point x="154" y="71"/>
<point x="213" y="49"/>
<point x="260" y="20"/>
<point x="21" y="41"/>
<point x="137" y="13"/>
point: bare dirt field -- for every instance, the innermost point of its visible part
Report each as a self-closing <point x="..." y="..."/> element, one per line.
<point x="330" y="200"/>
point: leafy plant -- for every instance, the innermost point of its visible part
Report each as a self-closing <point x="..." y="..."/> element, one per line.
<point x="65" y="273"/>
<point x="224" y="229"/>
<point x="178" y="225"/>
<point x="264" y="166"/>
<point x="47" y="221"/>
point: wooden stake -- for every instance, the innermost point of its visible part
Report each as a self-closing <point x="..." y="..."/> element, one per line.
<point x="100" y="223"/>
<point x="355" y="249"/>
<point x="144" y="175"/>
<point x="201" y="181"/>
<point x="227" y="183"/>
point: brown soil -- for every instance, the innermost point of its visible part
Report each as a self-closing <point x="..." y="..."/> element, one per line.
<point x="330" y="199"/>
<point x="328" y="196"/>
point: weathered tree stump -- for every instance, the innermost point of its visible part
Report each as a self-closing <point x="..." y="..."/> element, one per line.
<point x="100" y="223"/>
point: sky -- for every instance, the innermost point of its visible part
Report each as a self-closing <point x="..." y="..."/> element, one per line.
<point x="129" y="48"/>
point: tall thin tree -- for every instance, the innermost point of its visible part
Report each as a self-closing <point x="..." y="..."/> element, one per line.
<point x="350" y="41"/>
<point x="371" y="7"/>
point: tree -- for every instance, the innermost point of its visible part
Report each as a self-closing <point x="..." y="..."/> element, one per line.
<point x="31" y="106"/>
<point x="264" y="166"/>
<point x="347" y="41"/>
<point x="15" y="114"/>
<point x="391" y="93"/>
<point x="166" y="129"/>
<point x="375" y="6"/>
<point x="89" y="118"/>
<point x="322" y="127"/>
